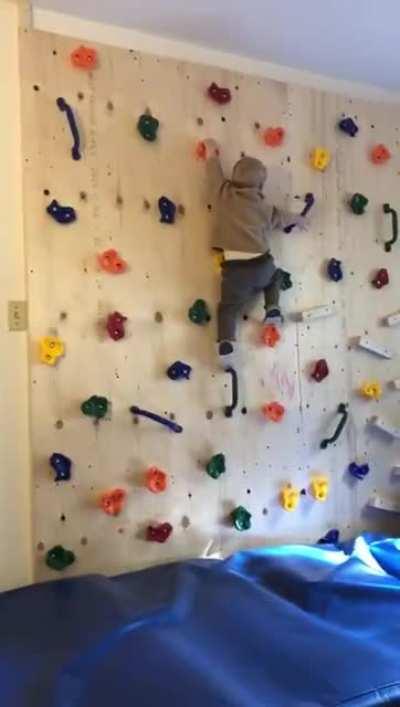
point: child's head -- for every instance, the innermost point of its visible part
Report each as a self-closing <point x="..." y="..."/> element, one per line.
<point x="249" y="172"/>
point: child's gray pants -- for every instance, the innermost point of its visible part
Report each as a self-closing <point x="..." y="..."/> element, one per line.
<point x="242" y="281"/>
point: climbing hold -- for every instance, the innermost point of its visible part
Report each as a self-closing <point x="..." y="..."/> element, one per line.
<point x="61" y="214"/>
<point x="167" y="210"/>
<point x="199" y="313"/>
<point x="216" y="466"/>
<point x="241" y="518"/>
<point x="358" y="204"/>
<point x="273" y="137"/>
<point x="331" y="537"/>
<point x="96" y="407"/>
<point x="159" y="533"/>
<point x="320" y="370"/>
<point x="61" y="465"/>
<point x="334" y="270"/>
<point x="218" y="259"/>
<point x="111" y="262"/>
<point x="323" y="310"/>
<point x="380" y="154"/>
<point x="289" y="497"/>
<point x="381" y="278"/>
<point x="84" y="58"/>
<point x="148" y="126"/>
<point x="320" y="158"/>
<point x="270" y="335"/>
<point x="343" y="412"/>
<point x="201" y="150"/>
<point x="319" y="488"/>
<point x="179" y="371"/>
<point x="229" y="409"/>
<point x="219" y="95"/>
<point x="286" y="281"/>
<point x="173" y="426"/>
<point x="58" y="558"/>
<point x="348" y="126"/>
<point x="273" y="411"/>
<point x="371" y="390"/>
<point x="66" y="108"/>
<point x="387" y="209"/>
<point x="359" y="471"/>
<point x="365" y="343"/>
<point x="309" y="201"/>
<point x="112" y="502"/>
<point x="115" y="326"/>
<point x="156" y="480"/>
<point x="51" y="348"/>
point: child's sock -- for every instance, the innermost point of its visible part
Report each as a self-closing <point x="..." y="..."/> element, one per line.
<point x="273" y="315"/>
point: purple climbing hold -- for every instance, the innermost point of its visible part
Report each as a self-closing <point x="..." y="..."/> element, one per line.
<point x="348" y="126"/>
<point x="331" y="537"/>
<point x="62" y="466"/>
<point x="334" y="270"/>
<point x="167" y="210"/>
<point x="359" y="471"/>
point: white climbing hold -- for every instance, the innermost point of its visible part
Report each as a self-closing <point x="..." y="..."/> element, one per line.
<point x="365" y="343"/>
<point x="324" y="310"/>
<point x="393" y="319"/>
<point x="382" y="503"/>
<point x="385" y="427"/>
<point x="395" y="383"/>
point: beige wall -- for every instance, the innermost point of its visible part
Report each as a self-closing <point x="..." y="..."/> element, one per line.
<point x="15" y="512"/>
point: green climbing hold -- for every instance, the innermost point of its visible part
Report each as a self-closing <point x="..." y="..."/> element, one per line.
<point x="358" y="204"/>
<point x="286" y="282"/>
<point x="241" y="518"/>
<point x="96" y="406"/>
<point x="216" y="466"/>
<point x="148" y="126"/>
<point x="198" y="312"/>
<point x="58" y="558"/>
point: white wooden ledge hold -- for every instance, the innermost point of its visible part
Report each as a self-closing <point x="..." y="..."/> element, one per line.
<point x="323" y="310"/>
<point x="385" y="427"/>
<point x="395" y="383"/>
<point x="365" y="343"/>
<point x="393" y="319"/>
<point x="384" y="504"/>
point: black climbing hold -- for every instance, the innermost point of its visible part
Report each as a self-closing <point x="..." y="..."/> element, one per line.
<point x="66" y="108"/>
<point x="167" y="210"/>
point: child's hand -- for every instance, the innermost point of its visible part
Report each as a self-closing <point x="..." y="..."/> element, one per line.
<point x="212" y="149"/>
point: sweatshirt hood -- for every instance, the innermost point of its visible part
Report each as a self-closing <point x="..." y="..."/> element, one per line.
<point x="249" y="173"/>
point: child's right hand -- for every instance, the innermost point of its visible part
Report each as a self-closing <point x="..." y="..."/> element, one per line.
<point x="212" y="149"/>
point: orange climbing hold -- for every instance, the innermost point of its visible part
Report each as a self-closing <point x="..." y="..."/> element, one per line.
<point x="270" y="335"/>
<point x="273" y="137"/>
<point x="112" y="502"/>
<point x="156" y="480"/>
<point x="111" y="262"/>
<point x="273" y="411"/>
<point x="84" y="58"/>
<point x="201" y="150"/>
<point x="380" y="154"/>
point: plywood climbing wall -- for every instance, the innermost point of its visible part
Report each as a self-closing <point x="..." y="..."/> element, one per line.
<point x="115" y="188"/>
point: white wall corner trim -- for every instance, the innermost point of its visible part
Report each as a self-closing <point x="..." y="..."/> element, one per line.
<point x="72" y="26"/>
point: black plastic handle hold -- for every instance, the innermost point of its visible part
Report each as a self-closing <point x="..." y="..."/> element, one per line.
<point x="65" y="107"/>
<point x="170" y="424"/>
<point x="342" y="410"/>
<point x="309" y="200"/>
<point x="235" y="388"/>
<point x="387" y="209"/>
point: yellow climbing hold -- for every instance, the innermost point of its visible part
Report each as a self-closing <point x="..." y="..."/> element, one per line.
<point x="290" y="497"/>
<point x="320" y="158"/>
<point x="371" y="390"/>
<point x="51" y="348"/>
<point x="218" y="258"/>
<point x="319" y="488"/>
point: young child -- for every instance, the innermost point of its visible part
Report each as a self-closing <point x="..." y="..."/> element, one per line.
<point x="244" y="224"/>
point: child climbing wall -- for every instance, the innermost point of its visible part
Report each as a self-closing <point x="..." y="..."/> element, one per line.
<point x="113" y="277"/>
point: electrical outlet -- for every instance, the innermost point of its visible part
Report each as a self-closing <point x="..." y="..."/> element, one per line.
<point x="17" y="315"/>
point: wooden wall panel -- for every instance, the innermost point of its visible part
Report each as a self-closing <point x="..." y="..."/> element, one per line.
<point x="169" y="267"/>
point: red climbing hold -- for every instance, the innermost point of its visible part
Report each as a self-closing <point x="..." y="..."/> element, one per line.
<point x="273" y="137"/>
<point x="115" y="325"/>
<point x="320" y="370"/>
<point x="156" y="480"/>
<point x="219" y="95"/>
<point x="270" y="335"/>
<point x="111" y="262"/>
<point x="159" y="533"/>
<point x="381" y="278"/>
<point x="112" y="501"/>
<point x="84" y="58"/>
<point x="201" y="150"/>
<point x="380" y="154"/>
<point x="273" y="411"/>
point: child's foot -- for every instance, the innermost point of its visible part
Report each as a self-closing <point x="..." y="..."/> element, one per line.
<point x="227" y="354"/>
<point x="225" y="348"/>
<point x="273" y="315"/>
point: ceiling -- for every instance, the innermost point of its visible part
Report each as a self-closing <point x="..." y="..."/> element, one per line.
<point x="357" y="40"/>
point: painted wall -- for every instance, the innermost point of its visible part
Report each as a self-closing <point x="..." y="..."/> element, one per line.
<point x="15" y="488"/>
<point x="169" y="267"/>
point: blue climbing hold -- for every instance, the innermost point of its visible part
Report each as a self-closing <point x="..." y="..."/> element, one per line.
<point x="348" y="126"/>
<point x="179" y="371"/>
<point x="331" y="537"/>
<point x="167" y="210"/>
<point x="61" y="214"/>
<point x="334" y="269"/>
<point x="62" y="466"/>
<point x="359" y="471"/>
<point x="66" y="108"/>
